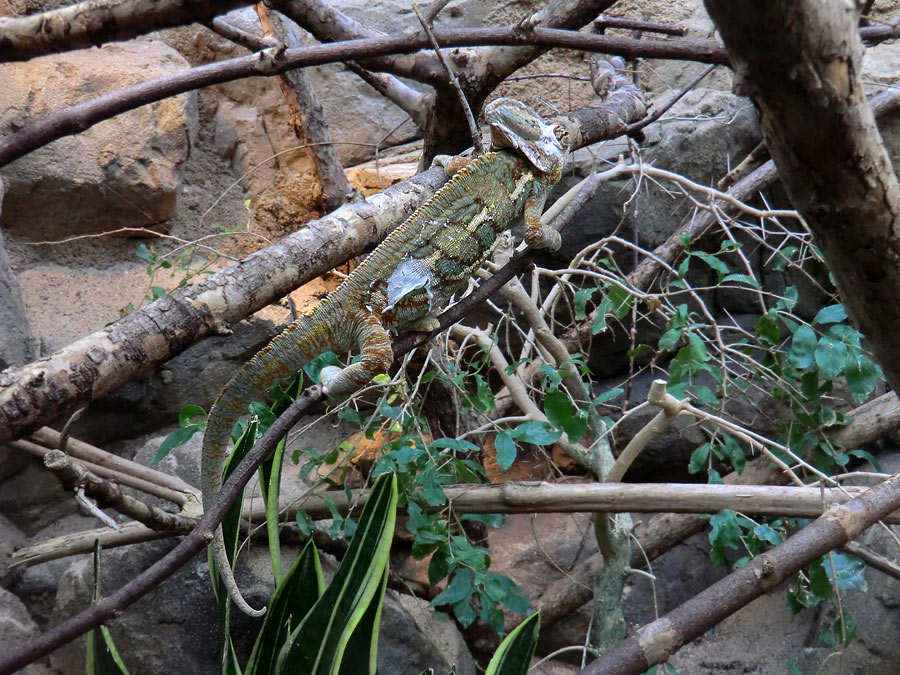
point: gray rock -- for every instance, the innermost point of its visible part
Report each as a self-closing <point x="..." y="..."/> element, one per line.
<point x="33" y="498"/>
<point x="123" y="171"/>
<point x="170" y="630"/>
<point x="11" y="539"/>
<point x="17" y="628"/>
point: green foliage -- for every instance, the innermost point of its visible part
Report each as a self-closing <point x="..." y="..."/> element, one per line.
<point x="191" y="419"/>
<point x="513" y="656"/>
<point x="101" y="653"/>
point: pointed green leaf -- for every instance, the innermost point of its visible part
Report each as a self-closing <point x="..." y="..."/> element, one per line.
<point x="513" y="656"/>
<point x="316" y="646"/>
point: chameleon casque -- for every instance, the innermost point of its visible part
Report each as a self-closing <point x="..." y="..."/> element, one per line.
<point x="403" y="283"/>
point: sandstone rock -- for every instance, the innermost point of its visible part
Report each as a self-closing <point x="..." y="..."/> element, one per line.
<point x="122" y="172"/>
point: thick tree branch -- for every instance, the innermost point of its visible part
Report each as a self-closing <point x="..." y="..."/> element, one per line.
<point x="655" y="642"/>
<point x="307" y="116"/>
<point x="801" y="62"/>
<point x="94" y="22"/>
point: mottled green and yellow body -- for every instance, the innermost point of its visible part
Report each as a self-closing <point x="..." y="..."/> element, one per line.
<point x="404" y="283"/>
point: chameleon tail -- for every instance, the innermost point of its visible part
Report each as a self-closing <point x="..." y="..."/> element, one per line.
<point x="301" y="342"/>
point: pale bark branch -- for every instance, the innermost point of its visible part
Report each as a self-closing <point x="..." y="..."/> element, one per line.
<point x="307" y="115"/>
<point x="94" y="22"/>
<point x="77" y="118"/>
<point x="109" y="495"/>
<point x="510" y="498"/>
<point x="657" y="641"/>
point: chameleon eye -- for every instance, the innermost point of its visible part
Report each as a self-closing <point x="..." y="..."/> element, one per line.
<point x="562" y="134"/>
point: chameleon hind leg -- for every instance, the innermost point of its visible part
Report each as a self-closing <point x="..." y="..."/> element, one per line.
<point x="375" y="358"/>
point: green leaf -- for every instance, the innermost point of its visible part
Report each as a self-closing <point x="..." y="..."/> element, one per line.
<point x="298" y="591"/>
<point x="608" y="395"/>
<point x="314" y="367"/>
<point x="459" y="589"/>
<point x="513" y="656"/>
<point x="848" y="571"/>
<point x="725" y="534"/>
<point x="861" y="374"/>
<point x="767" y="534"/>
<point x="783" y="258"/>
<point x="669" y="340"/>
<point x="735" y="453"/>
<point x="819" y="581"/>
<point x="621" y="300"/>
<point x="537" y="433"/>
<point x="316" y="646"/>
<point x="803" y="347"/>
<point x="698" y="458"/>
<point x="766" y="330"/>
<point x="599" y="324"/>
<point x="178" y="437"/>
<point x="558" y="408"/>
<point x="830" y="356"/>
<point x="741" y="279"/>
<point x="831" y="314"/>
<point x="715" y="263"/>
<point x="868" y="456"/>
<point x="143" y="253"/>
<point x="305" y="523"/>
<point x="191" y="414"/>
<point x="580" y="299"/>
<point x="102" y="656"/>
<point x="506" y="449"/>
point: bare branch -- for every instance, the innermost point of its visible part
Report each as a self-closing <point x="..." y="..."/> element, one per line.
<point x="108" y="494"/>
<point x="77" y="118"/>
<point x="93" y="22"/>
<point x="656" y="641"/>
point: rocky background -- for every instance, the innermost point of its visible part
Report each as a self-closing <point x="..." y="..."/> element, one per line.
<point x="221" y="164"/>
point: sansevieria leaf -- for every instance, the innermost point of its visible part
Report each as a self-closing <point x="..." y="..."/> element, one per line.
<point x="295" y="596"/>
<point x="102" y="657"/>
<point x="316" y="646"/>
<point x="513" y="656"/>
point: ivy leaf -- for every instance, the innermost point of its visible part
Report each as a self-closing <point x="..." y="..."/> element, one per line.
<point x="766" y="533"/>
<point x="698" y="458"/>
<point x="459" y="589"/>
<point x="735" y="453"/>
<point x="831" y="314"/>
<point x="669" y="340"/>
<point x="861" y="374"/>
<point x="848" y="571"/>
<point x="830" y="356"/>
<point x="725" y="534"/>
<point x="506" y="449"/>
<point x="558" y="408"/>
<point x="537" y="433"/>
<point x="581" y="298"/>
<point x="803" y="347"/>
<point x="715" y="263"/>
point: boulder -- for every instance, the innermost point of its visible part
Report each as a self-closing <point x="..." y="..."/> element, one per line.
<point x="125" y="171"/>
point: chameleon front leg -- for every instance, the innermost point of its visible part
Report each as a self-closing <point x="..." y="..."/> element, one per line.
<point x="538" y="235"/>
<point x="376" y="357"/>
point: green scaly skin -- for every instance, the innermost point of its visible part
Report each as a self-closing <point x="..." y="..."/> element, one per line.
<point x="403" y="284"/>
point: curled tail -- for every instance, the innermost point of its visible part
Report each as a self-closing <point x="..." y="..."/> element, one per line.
<point x="301" y="342"/>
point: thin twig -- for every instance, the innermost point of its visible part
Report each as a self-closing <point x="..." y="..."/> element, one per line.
<point x="477" y="145"/>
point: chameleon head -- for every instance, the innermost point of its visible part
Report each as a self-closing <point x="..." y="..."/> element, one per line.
<point x="516" y="126"/>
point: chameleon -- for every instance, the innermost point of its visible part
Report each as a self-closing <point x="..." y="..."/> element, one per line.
<point x="404" y="283"/>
